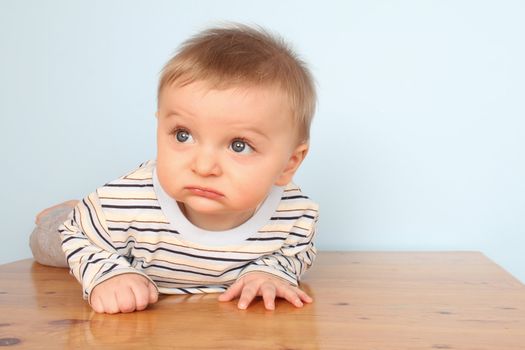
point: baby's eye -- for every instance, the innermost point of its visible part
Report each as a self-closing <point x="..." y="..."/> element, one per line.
<point x="241" y="146"/>
<point x="183" y="136"/>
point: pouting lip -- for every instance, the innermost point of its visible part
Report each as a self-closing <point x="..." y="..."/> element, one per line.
<point x="204" y="191"/>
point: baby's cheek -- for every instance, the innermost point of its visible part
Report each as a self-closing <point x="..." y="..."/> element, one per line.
<point x="253" y="195"/>
<point x="168" y="182"/>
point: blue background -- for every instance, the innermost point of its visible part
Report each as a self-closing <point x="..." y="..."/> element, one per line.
<point x="418" y="142"/>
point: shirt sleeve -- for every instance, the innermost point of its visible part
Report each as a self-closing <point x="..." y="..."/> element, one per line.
<point x="295" y="256"/>
<point x="90" y="252"/>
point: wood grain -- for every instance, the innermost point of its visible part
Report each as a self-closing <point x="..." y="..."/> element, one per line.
<point x="363" y="300"/>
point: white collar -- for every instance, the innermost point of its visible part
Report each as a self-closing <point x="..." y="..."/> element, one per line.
<point x="237" y="235"/>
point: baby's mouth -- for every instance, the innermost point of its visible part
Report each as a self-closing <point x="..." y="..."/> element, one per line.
<point x="204" y="192"/>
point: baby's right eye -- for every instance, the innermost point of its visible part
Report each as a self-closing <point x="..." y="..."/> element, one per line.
<point x="183" y="136"/>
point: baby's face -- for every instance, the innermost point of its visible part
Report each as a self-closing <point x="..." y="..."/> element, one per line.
<point x="220" y="151"/>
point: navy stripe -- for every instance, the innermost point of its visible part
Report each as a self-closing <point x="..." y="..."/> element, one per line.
<point x="192" y="255"/>
<point x="141" y="244"/>
<point x="125" y="246"/>
<point x="297" y="235"/>
<point x="159" y="280"/>
<point x="90" y="262"/>
<point x="93" y="223"/>
<point x="300" y="266"/>
<point x="292" y="217"/>
<point x="111" y="268"/>
<point x="69" y="238"/>
<point x="199" y="273"/>
<point x="285" y="217"/>
<point x="130" y="206"/>
<point x="281" y="264"/>
<point x="142" y="229"/>
<point x="310" y="259"/>
<point x="267" y="239"/>
<point x="284" y="269"/>
<point x="74" y="252"/>
<point x="295" y="197"/>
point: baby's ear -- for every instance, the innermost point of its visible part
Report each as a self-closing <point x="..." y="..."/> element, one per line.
<point x="293" y="164"/>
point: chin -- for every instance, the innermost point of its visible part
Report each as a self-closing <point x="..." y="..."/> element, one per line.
<point x="204" y="205"/>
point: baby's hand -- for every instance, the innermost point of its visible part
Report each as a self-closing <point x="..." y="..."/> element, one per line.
<point x="262" y="284"/>
<point x="123" y="293"/>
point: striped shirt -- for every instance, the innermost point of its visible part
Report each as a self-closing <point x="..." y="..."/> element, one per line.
<point x="131" y="225"/>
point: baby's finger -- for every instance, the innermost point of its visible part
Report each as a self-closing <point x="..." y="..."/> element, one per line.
<point x="97" y="305"/>
<point x="126" y="300"/>
<point x="232" y="292"/>
<point x="268" y="294"/>
<point x="248" y="293"/>
<point x="290" y="293"/>
<point x="304" y="297"/>
<point x="110" y="304"/>
<point x="140" y="296"/>
<point x="153" y="293"/>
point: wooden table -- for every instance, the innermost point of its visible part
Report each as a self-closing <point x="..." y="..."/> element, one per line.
<point x="363" y="300"/>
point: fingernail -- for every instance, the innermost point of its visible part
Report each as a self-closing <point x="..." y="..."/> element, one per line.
<point x="242" y="306"/>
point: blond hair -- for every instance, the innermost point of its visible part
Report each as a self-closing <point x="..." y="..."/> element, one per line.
<point x="238" y="54"/>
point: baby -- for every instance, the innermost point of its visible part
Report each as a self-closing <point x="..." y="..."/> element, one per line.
<point x="217" y="210"/>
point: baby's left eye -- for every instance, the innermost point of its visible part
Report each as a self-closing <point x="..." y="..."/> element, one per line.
<point x="241" y="146"/>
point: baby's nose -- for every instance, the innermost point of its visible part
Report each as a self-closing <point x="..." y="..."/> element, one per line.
<point x="206" y="163"/>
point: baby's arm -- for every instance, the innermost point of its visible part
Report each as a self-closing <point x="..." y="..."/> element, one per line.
<point x="109" y="281"/>
<point x="276" y="275"/>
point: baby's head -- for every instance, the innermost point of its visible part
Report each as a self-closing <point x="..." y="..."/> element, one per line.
<point x="235" y="106"/>
<point x="242" y="56"/>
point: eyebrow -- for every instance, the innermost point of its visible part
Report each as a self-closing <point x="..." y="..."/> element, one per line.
<point x="255" y="131"/>
<point x="175" y="112"/>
